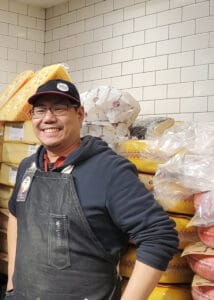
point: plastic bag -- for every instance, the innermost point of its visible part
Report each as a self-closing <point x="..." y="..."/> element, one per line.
<point x="150" y="128"/>
<point x="107" y="103"/>
<point x="204" y="205"/>
<point x="108" y="113"/>
<point x="192" y="137"/>
<point x="191" y="170"/>
<point x="108" y="132"/>
<point x="182" y="176"/>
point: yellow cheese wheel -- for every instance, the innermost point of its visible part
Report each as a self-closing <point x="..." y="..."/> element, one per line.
<point x="20" y="132"/>
<point x="3" y="262"/>
<point x="15" y="152"/>
<point x="1" y="150"/>
<point x="127" y="262"/>
<point x="4" y="213"/>
<point x="15" y="85"/>
<point x="5" y="193"/>
<point x="177" y="272"/>
<point x="178" y="206"/>
<point x="3" y="241"/>
<point x="8" y="174"/>
<point x="1" y="131"/>
<point x="166" y="292"/>
<point x="172" y="196"/>
<point x="147" y="180"/>
<point x="186" y="234"/>
<point x="140" y="154"/>
<point x="172" y="292"/>
<point x="17" y="108"/>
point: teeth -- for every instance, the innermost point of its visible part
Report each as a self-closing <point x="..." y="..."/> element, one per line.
<point x="51" y="130"/>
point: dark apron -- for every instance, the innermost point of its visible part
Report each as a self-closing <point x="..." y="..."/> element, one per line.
<point x="58" y="257"/>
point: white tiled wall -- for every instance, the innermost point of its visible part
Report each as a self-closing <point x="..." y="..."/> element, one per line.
<point x="22" y="36"/>
<point x="161" y="51"/>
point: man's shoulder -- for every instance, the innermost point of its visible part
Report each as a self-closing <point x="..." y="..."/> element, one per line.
<point x="27" y="162"/>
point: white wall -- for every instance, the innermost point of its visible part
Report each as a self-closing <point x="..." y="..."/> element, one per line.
<point x="22" y="36"/>
<point x="161" y="51"/>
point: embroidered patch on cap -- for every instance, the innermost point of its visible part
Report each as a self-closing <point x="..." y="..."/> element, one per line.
<point x="63" y="87"/>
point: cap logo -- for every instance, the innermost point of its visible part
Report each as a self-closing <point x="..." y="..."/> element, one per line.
<point x="63" y="87"/>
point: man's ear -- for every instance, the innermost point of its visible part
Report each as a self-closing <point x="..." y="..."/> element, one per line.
<point x="81" y="113"/>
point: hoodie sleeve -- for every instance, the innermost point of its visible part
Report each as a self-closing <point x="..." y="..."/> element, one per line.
<point x="135" y="211"/>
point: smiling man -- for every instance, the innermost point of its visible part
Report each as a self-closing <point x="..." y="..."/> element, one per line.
<point x="70" y="223"/>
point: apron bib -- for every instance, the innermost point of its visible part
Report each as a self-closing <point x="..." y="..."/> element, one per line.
<point x="58" y="256"/>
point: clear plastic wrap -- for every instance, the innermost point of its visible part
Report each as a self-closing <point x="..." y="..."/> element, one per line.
<point x="182" y="176"/>
<point x="204" y="209"/>
<point x="191" y="169"/>
<point x="192" y="137"/>
<point x="150" y="128"/>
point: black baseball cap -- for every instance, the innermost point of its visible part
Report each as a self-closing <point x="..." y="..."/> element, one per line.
<point x="57" y="87"/>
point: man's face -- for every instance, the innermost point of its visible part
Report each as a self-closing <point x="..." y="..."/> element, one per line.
<point x="57" y="132"/>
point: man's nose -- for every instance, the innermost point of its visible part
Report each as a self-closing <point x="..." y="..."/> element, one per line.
<point x="49" y="113"/>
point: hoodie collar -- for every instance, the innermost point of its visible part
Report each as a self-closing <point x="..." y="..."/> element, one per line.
<point x="89" y="146"/>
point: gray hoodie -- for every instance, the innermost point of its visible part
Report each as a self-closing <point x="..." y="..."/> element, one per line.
<point x="116" y="203"/>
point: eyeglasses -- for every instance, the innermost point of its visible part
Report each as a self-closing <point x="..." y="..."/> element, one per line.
<point x="38" y="112"/>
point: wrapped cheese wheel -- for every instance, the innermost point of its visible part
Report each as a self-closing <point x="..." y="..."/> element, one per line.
<point x="22" y="150"/>
<point x="5" y="193"/>
<point x="20" y="132"/>
<point x="202" y="289"/>
<point x="3" y="241"/>
<point x="4" y="213"/>
<point x="170" y="292"/>
<point x="171" y="195"/>
<point x="177" y="271"/>
<point x="166" y="292"/>
<point x="178" y="206"/>
<point x="202" y="265"/>
<point x="8" y="174"/>
<point x="149" y="128"/>
<point x="147" y="180"/>
<point x="186" y="234"/>
<point x="3" y="263"/>
<point x="203" y="292"/>
<point x="138" y="152"/>
<point x="206" y="235"/>
<point x="1" y="131"/>
<point x="204" y="209"/>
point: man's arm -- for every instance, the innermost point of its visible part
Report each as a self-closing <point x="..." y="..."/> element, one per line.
<point x="11" y="241"/>
<point x="141" y="283"/>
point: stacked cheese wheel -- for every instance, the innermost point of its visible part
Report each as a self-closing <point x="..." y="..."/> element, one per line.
<point x="202" y="289"/>
<point x="166" y="292"/>
<point x="178" y="271"/>
<point x="201" y="258"/>
<point x="204" y="217"/>
<point x="16" y="107"/>
<point x="139" y="153"/>
<point x="177" y="278"/>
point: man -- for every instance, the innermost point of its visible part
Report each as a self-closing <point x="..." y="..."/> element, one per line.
<point x="83" y="203"/>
